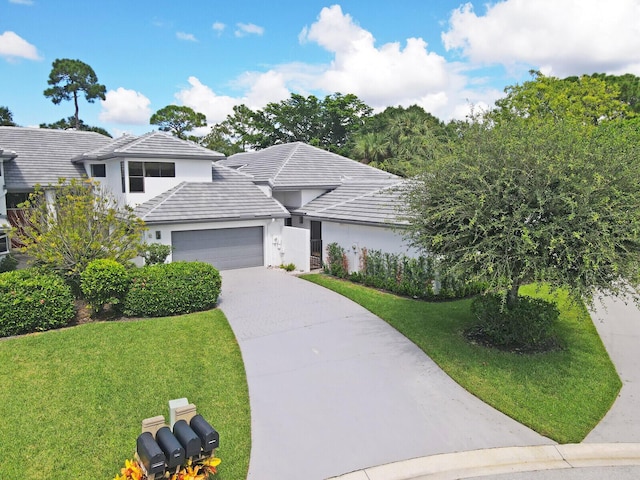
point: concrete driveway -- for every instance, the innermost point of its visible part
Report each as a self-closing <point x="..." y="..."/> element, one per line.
<point x="335" y="389"/>
<point x="618" y="324"/>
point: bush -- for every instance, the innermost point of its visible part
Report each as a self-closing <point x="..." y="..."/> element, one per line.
<point x="413" y="277"/>
<point x="8" y="263"/>
<point x="289" y="267"/>
<point x="155" y="253"/>
<point x="337" y="262"/>
<point x="32" y="301"/>
<point x="172" y="289"/>
<point x="104" y="282"/>
<point x="527" y="326"/>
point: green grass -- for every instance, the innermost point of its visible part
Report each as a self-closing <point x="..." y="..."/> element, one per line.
<point x="561" y="394"/>
<point x="72" y="400"/>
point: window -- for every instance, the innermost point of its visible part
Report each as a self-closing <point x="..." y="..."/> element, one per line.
<point x="139" y="170"/>
<point x="4" y="243"/>
<point x="287" y="222"/>
<point x="16" y="198"/>
<point x="136" y="177"/>
<point x="122" y="179"/>
<point x="98" y="170"/>
<point x="159" y="169"/>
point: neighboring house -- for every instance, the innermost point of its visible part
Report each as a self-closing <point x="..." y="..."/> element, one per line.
<point x="335" y="198"/>
<point x="279" y="205"/>
<point x="360" y="214"/>
<point x="32" y="156"/>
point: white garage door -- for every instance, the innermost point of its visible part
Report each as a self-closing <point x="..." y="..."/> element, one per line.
<point x="225" y="248"/>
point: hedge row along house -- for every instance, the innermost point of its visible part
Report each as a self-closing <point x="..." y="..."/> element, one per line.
<point x="280" y="205"/>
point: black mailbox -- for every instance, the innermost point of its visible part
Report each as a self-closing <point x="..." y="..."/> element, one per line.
<point x="208" y="436"/>
<point x="150" y="454"/>
<point x="171" y="447"/>
<point x="188" y="438"/>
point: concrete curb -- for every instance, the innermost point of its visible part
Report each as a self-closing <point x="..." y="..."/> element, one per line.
<point x="495" y="461"/>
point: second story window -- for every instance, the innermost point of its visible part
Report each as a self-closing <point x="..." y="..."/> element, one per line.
<point x="139" y="170"/>
<point x="136" y="177"/>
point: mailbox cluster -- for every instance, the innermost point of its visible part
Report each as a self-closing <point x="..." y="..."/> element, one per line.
<point x="160" y="449"/>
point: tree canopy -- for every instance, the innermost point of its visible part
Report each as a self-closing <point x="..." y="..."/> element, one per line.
<point x="70" y="122"/>
<point x="6" y="117"/>
<point x="68" y="79"/>
<point x="178" y="119"/>
<point x="399" y="140"/>
<point x="328" y="123"/>
<point x="542" y="188"/>
<point x="81" y="224"/>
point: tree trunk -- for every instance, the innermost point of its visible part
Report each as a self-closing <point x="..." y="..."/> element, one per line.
<point x="75" y="101"/>
<point x="512" y="295"/>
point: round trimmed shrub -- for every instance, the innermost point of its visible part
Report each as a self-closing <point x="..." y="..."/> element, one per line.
<point x="527" y="326"/>
<point x="103" y="282"/>
<point x="31" y="301"/>
<point x="172" y="289"/>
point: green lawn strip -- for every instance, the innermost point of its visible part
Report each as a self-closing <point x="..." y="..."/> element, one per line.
<point x="73" y="399"/>
<point x="561" y="394"/>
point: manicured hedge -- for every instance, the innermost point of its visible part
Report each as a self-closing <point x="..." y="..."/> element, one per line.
<point x="172" y="289"/>
<point x="413" y="277"/>
<point x="104" y="281"/>
<point x="31" y="301"/>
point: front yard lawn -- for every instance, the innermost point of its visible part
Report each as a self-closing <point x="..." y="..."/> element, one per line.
<point x="561" y="394"/>
<point x="72" y="400"/>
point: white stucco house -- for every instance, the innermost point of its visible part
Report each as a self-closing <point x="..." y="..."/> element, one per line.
<point x="279" y="205"/>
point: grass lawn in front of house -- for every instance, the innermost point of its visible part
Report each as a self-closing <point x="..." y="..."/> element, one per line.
<point x="72" y="400"/>
<point x="561" y="394"/>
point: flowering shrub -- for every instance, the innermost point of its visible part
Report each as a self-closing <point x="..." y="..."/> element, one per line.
<point x="204" y="469"/>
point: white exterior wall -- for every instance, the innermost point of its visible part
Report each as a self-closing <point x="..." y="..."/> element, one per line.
<point x="354" y="237"/>
<point x="272" y="234"/>
<point x="297" y="198"/>
<point x="3" y="192"/>
<point x="186" y="171"/>
<point x="296" y="248"/>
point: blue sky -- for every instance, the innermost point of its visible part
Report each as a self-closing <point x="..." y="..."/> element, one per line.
<point x="444" y="55"/>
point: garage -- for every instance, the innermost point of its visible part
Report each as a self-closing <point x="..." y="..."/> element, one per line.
<point x="225" y="248"/>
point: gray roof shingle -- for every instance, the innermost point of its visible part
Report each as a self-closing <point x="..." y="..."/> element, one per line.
<point x="366" y="202"/>
<point x="43" y="155"/>
<point x="153" y="144"/>
<point x="230" y="196"/>
<point x="298" y="165"/>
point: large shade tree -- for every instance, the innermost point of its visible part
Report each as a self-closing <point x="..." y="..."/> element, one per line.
<point x="6" y="117"/>
<point x="71" y="78"/>
<point x="543" y="188"/>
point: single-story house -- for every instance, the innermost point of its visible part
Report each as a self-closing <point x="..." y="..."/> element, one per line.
<point x="283" y="204"/>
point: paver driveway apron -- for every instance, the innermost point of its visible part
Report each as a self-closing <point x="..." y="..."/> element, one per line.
<point x="334" y="389"/>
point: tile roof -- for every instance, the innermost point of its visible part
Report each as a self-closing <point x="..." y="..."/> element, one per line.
<point x="298" y="165"/>
<point x="153" y="144"/>
<point x="230" y="196"/>
<point x="366" y="202"/>
<point x="44" y="155"/>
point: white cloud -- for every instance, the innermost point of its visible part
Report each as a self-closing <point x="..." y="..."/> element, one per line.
<point x="381" y="76"/>
<point x="188" y="37"/>
<point x="125" y="107"/>
<point x="13" y="46"/>
<point x="22" y="2"/>
<point x="560" y="37"/>
<point x="245" y="29"/>
<point x="218" y="27"/>
<point x="203" y="99"/>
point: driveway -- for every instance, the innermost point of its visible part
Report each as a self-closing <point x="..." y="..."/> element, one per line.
<point x="334" y="389"/>
<point x="618" y="324"/>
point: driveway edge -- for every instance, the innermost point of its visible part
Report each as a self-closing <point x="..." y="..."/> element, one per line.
<point x="495" y="461"/>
